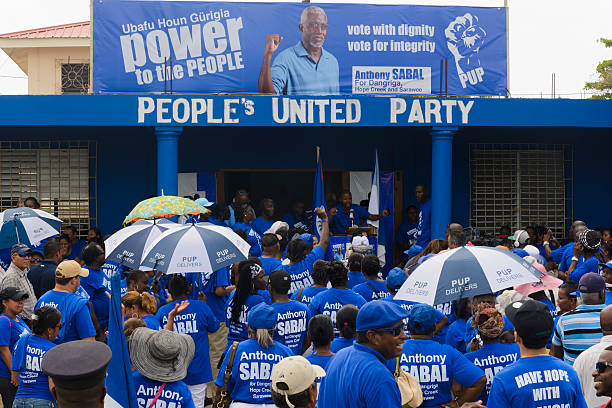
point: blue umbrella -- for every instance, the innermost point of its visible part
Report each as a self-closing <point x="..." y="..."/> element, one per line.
<point x="26" y="225"/>
<point x="126" y="246"/>
<point x="465" y="272"/>
<point x="191" y="248"/>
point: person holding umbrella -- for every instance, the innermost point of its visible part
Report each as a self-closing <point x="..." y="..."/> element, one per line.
<point x="196" y="320"/>
<point x="436" y="366"/>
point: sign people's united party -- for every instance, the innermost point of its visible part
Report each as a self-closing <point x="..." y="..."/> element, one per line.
<point x="142" y="46"/>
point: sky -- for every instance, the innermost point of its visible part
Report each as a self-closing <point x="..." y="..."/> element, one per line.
<point x="545" y="36"/>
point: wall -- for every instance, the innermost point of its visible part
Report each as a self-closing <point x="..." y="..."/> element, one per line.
<point x="43" y="67"/>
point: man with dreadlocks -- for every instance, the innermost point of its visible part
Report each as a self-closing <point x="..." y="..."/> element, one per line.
<point x="494" y="355"/>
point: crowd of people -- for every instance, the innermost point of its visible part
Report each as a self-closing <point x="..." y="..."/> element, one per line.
<point x="288" y="328"/>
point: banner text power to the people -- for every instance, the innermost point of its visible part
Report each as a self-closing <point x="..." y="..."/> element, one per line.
<point x="292" y="111"/>
<point x="207" y="47"/>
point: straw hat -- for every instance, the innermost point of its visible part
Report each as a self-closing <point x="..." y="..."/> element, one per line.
<point x="161" y="355"/>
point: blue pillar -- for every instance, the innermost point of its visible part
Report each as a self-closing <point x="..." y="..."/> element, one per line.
<point x="441" y="179"/>
<point x="167" y="159"/>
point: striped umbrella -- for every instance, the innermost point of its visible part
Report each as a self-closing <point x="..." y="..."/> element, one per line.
<point x="26" y="225"/>
<point x="465" y="272"/>
<point x="127" y="245"/>
<point x="164" y="206"/>
<point x="199" y="247"/>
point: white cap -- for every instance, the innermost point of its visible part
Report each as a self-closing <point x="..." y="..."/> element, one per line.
<point x="520" y="237"/>
<point x="276" y="225"/>
<point x="293" y="375"/>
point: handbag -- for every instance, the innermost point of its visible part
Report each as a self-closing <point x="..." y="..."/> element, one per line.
<point x="410" y="389"/>
<point x="222" y="397"/>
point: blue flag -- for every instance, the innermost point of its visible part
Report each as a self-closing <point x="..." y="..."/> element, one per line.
<point x="318" y="196"/>
<point x="375" y="207"/>
<point x="120" y="391"/>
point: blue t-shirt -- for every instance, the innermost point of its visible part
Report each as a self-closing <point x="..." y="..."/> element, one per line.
<point x="77" y="249"/>
<point x="424" y="228"/>
<point x="492" y="358"/>
<point x="342" y="220"/>
<point x="293" y="71"/>
<point x="253" y="237"/>
<point x="435" y="366"/>
<point x="197" y="320"/>
<point x="331" y="300"/>
<point x="240" y="331"/>
<point x="296" y="222"/>
<point x="260" y="225"/>
<point x="321" y="361"/>
<point x="566" y="260"/>
<point x="252" y="366"/>
<point x="76" y="320"/>
<point x="27" y="358"/>
<point x="217" y="303"/>
<point x="354" y="279"/>
<point x="541" y="381"/>
<point x="608" y="300"/>
<point x="96" y="287"/>
<point x="557" y="254"/>
<point x="340" y="342"/>
<point x="455" y="335"/>
<point x="301" y="276"/>
<point x="270" y="264"/>
<point x="292" y="325"/>
<point x="307" y="294"/>
<point x="357" y="377"/>
<point x="406" y="233"/>
<point x="10" y="331"/>
<point x="175" y="394"/>
<point x="590" y="265"/>
<point x="152" y="322"/>
<point x="365" y="290"/>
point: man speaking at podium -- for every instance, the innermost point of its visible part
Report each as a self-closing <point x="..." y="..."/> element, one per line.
<point x="346" y="214"/>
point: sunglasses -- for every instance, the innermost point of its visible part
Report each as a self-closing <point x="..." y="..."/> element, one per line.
<point x="601" y="366"/>
<point x="395" y="331"/>
<point x="24" y="254"/>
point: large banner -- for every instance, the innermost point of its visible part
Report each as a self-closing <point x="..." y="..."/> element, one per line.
<point x="297" y="48"/>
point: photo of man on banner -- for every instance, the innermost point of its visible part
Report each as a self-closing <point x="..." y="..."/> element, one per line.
<point x="305" y="68"/>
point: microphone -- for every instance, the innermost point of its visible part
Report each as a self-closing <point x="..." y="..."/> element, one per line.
<point x="351" y="216"/>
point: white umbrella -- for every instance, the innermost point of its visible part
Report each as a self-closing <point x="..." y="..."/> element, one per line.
<point x="27" y="226"/>
<point x="465" y="272"/>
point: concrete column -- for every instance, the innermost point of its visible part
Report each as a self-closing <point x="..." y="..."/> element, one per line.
<point x="167" y="159"/>
<point x="441" y="179"/>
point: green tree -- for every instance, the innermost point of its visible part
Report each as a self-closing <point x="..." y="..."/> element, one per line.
<point x="604" y="84"/>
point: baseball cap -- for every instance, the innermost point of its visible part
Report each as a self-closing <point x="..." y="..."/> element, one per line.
<point x="396" y="278"/>
<point x="532" y="321"/>
<point x="307" y="238"/>
<point x="519" y="237"/>
<point x="414" y="250"/>
<point x="591" y="282"/>
<point x="422" y="318"/>
<point x="70" y="269"/>
<point x="378" y="314"/>
<point x="606" y="264"/>
<point x="13" y="293"/>
<point x="262" y="316"/>
<point x="20" y="249"/>
<point x="280" y="280"/>
<point x="293" y="375"/>
<point x="204" y="202"/>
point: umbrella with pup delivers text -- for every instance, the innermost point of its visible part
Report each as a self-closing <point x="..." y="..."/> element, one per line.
<point x="465" y="272"/>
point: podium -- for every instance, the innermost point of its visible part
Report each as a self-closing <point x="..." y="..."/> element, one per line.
<point x="340" y="243"/>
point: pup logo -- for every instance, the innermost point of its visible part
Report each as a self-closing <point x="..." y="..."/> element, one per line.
<point x="464" y="37"/>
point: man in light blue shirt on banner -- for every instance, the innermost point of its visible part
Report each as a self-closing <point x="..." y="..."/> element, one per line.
<point x="304" y="69"/>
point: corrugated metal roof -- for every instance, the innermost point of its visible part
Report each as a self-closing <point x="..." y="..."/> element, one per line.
<point x="72" y="30"/>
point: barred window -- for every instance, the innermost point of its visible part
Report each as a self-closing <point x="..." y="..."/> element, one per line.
<point x="520" y="185"/>
<point x="75" y="78"/>
<point x="61" y="175"/>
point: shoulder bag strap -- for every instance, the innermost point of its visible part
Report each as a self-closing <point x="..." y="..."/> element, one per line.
<point x="373" y="290"/>
<point x="230" y="364"/>
<point x="159" y="392"/>
<point x="299" y="295"/>
<point x="9" y="320"/>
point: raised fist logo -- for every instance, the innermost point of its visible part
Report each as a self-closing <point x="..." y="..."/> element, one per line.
<point x="464" y="37"/>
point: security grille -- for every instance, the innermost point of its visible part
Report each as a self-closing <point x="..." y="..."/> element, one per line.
<point x="61" y="175"/>
<point x="520" y="185"/>
<point x="75" y="78"/>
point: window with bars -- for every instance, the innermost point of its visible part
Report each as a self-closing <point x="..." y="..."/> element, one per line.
<point x="61" y="175"/>
<point x="75" y="78"/>
<point x="520" y="185"/>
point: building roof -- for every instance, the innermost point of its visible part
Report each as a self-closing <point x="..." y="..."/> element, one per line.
<point x="72" y="30"/>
